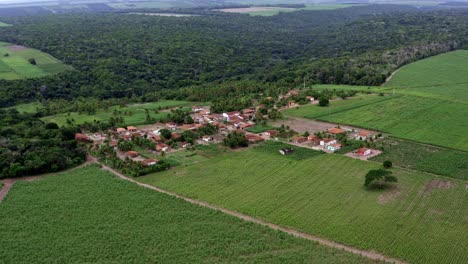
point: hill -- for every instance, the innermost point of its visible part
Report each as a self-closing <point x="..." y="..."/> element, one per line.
<point x="15" y="64"/>
<point x="87" y="215"/>
<point x="421" y="221"/>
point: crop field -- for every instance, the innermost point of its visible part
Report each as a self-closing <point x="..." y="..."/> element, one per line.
<point x="444" y="76"/>
<point x="137" y="117"/>
<point x="335" y="106"/>
<point x="422" y="220"/>
<point x="3" y="24"/>
<point x="89" y="216"/>
<point x="417" y="156"/>
<point x="421" y="119"/>
<point x="14" y="63"/>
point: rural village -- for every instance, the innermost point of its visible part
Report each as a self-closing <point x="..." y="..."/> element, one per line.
<point x="213" y="128"/>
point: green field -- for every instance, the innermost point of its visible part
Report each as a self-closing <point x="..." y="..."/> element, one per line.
<point x="324" y="195"/>
<point x="89" y="216"/>
<point x="137" y="117"/>
<point x="444" y="76"/>
<point x="14" y="63"/>
<point x="335" y="106"/>
<point x="27" y="108"/>
<point x="417" y="156"/>
<point x="421" y="119"/>
<point x="2" y="24"/>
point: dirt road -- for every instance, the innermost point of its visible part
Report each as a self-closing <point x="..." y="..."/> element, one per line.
<point x="369" y="254"/>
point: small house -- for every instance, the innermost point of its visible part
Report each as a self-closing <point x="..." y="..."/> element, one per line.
<point x="327" y="141"/>
<point x="336" y="131"/>
<point x="121" y="130"/>
<point x="176" y="136"/>
<point x="286" y="151"/>
<point x="185" y="144"/>
<point x="131" y="154"/>
<point x="171" y="125"/>
<point x="291" y="103"/>
<point x="310" y="98"/>
<point x="271" y="133"/>
<point x="82" y="138"/>
<point x="333" y="147"/>
<point x="299" y="139"/>
<point x="363" y="135"/>
<point x="364" y="151"/>
<point x="149" y="162"/>
<point x="207" y="138"/>
<point x="252" y="138"/>
<point x="162" y="147"/>
<point x="132" y="129"/>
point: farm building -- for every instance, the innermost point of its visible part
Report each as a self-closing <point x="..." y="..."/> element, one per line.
<point x="333" y="147"/>
<point x="363" y="151"/>
<point x="286" y="151"/>
<point x="149" y="162"/>
<point x="299" y="139"/>
<point x="336" y="131"/>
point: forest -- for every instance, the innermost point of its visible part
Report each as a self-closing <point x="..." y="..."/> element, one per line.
<point x="148" y="57"/>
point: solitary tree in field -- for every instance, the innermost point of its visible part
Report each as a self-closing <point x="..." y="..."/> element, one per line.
<point x="387" y="164"/>
<point x="379" y="178"/>
<point x="32" y="61"/>
<point x="323" y="101"/>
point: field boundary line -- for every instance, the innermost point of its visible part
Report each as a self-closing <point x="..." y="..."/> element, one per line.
<point x="366" y="253"/>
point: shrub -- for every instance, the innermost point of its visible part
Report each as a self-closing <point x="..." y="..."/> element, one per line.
<point x="387" y="164"/>
<point x="379" y="178"/>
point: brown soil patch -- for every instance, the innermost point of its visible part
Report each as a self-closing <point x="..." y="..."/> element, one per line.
<point x="388" y="196"/>
<point x="16" y="47"/>
<point x="437" y="184"/>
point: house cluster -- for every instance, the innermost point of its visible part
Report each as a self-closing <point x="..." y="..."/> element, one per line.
<point x="229" y="121"/>
<point x="291" y="102"/>
<point x="329" y="141"/>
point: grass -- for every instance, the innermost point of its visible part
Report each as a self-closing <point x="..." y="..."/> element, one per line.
<point x="336" y="106"/>
<point x="138" y="116"/>
<point x="421" y="119"/>
<point x="16" y="65"/>
<point x="444" y="76"/>
<point x="417" y="156"/>
<point x="27" y="108"/>
<point x="3" y="24"/>
<point x="364" y="89"/>
<point x="324" y="195"/>
<point x="89" y="216"/>
<point x="259" y="128"/>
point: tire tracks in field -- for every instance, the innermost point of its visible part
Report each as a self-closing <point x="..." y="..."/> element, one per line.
<point x="366" y="253"/>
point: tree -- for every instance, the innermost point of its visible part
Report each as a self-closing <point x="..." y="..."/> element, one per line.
<point x="379" y="178"/>
<point x="51" y="126"/>
<point x="387" y="164"/>
<point x="165" y="133"/>
<point x="236" y="139"/>
<point x="32" y="61"/>
<point x="323" y="101"/>
<point x="306" y="134"/>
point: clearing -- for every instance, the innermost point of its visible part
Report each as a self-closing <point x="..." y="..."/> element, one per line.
<point x="323" y="195"/>
<point x="274" y="10"/>
<point x="88" y="215"/>
<point x="14" y="63"/>
<point x="3" y="24"/>
<point x="135" y="113"/>
<point x="444" y="76"/>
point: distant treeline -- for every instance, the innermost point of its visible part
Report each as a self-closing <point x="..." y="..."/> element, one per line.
<point x="122" y="56"/>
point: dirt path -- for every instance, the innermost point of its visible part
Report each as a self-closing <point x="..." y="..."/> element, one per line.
<point x="8" y="183"/>
<point x="369" y="254"/>
<point x="390" y="77"/>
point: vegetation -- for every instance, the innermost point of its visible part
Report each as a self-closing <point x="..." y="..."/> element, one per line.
<point x="414" y="118"/>
<point x="87" y="213"/>
<point x="236" y="139"/>
<point x="441" y="77"/>
<point x="357" y="45"/>
<point x="259" y="128"/>
<point x="379" y="178"/>
<point x="17" y="62"/>
<point x="387" y="164"/>
<point x="335" y="106"/>
<point x="422" y="157"/>
<point x="133" y="114"/>
<point x="28" y="146"/>
<point x="323" y="195"/>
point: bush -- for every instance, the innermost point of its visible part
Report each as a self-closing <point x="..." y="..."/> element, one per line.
<point x="323" y="101"/>
<point x="387" y="164"/>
